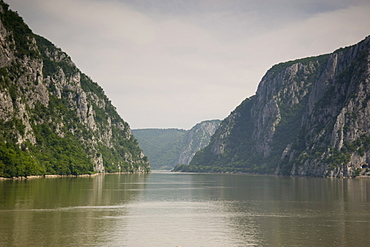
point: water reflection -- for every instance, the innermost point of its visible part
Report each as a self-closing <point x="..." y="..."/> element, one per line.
<point x="62" y="211"/>
<point x="167" y="209"/>
<point x="299" y="211"/>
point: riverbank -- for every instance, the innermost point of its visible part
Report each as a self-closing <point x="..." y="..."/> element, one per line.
<point x="51" y="176"/>
<point x="68" y="176"/>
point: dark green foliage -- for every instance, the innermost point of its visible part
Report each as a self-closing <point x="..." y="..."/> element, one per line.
<point x="14" y="162"/>
<point x="338" y="158"/>
<point x="20" y="32"/>
<point x="124" y="144"/>
<point x="88" y="85"/>
<point x="63" y="155"/>
<point x="289" y="126"/>
<point x="52" y="154"/>
<point x="168" y="147"/>
<point x="162" y="146"/>
<point x="239" y="155"/>
<point x="52" y="65"/>
<point x="209" y="169"/>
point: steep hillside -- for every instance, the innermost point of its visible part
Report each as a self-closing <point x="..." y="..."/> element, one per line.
<point x="309" y="117"/>
<point x="162" y="146"/>
<point x="168" y="147"/>
<point x="53" y="118"/>
<point x="195" y="139"/>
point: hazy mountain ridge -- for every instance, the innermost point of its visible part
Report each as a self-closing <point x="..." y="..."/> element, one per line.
<point x="309" y="117"/>
<point x="162" y="146"/>
<point x="54" y="119"/>
<point x="166" y="148"/>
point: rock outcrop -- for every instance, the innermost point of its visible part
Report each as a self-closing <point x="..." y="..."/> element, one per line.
<point x="54" y="119"/>
<point x="309" y="117"/>
<point x="197" y="138"/>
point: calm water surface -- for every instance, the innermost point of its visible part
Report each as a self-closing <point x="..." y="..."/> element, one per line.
<point x="187" y="210"/>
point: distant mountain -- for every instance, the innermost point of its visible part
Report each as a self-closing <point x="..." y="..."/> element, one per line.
<point x="162" y="146"/>
<point x="53" y="118"/>
<point x="309" y="117"/>
<point x="166" y="148"/>
<point x="197" y="138"/>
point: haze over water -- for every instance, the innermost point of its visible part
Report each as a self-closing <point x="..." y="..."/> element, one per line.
<point x="177" y="209"/>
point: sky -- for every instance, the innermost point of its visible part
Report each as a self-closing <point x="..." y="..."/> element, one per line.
<point x="175" y="63"/>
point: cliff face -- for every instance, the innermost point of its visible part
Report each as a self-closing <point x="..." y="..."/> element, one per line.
<point x="168" y="147"/>
<point x="197" y="138"/>
<point x="54" y="119"/>
<point x="309" y="117"/>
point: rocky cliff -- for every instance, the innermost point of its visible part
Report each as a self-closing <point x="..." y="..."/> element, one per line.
<point x="53" y="118"/>
<point x="168" y="147"/>
<point x="309" y="117"/>
<point x="197" y="138"/>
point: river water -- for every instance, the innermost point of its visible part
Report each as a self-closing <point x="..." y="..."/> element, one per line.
<point x="187" y="210"/>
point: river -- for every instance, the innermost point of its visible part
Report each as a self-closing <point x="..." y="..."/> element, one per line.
<point x="188" y="210"/>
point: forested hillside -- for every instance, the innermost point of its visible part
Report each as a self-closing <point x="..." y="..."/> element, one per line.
<point x="162" y="146"/>
<point x="166" y="148"/>
<point x="53" y="118"/>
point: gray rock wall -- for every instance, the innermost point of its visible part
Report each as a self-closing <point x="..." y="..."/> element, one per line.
<point x="309" y="117"/>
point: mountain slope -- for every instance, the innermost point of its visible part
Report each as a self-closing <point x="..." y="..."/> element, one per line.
<point x="309" y="117"/>
<point x="168" y="147"/>
<point x="162" y="146"/>
<point x="53" y="118"/>
<point x="197" y="138"/>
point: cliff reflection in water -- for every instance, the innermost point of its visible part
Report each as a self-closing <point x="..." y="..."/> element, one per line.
<point x="63" y="211"/>
<point x="297" y="211"/>
<point x="179" y="209"/>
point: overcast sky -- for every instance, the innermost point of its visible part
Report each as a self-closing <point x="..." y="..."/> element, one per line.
<point x="174" y="63"/>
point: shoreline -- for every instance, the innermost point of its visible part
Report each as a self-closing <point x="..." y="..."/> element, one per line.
<point x="66" y="176"/>
<point x="50" y="176"/>
<point x="274" y="175"/>
<point x="159" y="171"/>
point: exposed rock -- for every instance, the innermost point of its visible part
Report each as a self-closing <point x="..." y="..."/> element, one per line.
<point x="197" y="138"/>
<point x="309" y="117"/>
<point x="50" y="111"/>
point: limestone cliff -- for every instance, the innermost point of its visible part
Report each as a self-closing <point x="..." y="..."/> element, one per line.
<point x="197" y="138"/>
<point x="54" y="119"/>
<point x="309" y="117"/>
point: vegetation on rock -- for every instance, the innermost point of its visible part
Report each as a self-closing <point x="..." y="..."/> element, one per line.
<point x="309" y="117"/>
<point x="53" y="118"/>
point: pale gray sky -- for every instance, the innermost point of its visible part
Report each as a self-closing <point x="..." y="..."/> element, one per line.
<point x="172" y="63"/>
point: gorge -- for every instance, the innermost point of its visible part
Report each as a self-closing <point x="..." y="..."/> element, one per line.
<point x="166" y="148"/>
<point x="309" y="117"/>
